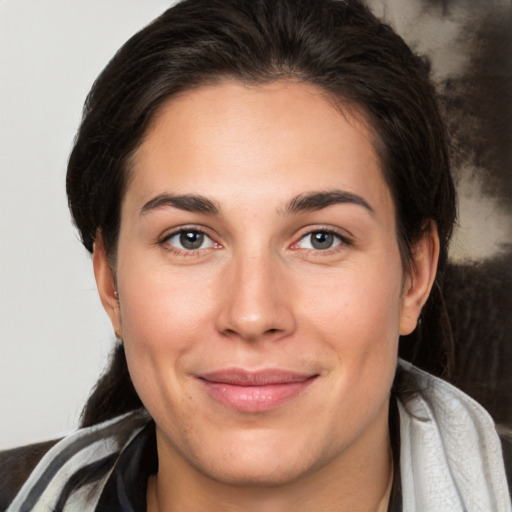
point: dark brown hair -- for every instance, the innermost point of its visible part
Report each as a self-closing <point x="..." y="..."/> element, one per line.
<point x="338" y="46"/>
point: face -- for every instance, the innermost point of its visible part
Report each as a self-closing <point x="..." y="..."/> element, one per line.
<point x="261" y="290"/>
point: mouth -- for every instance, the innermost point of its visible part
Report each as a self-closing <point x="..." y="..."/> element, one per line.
<point x="248" y="391"/>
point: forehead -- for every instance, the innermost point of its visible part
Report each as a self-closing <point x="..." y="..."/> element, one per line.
<point x="233" y="138"/>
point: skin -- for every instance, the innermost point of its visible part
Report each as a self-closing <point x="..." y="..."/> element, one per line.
<point x="258" y="294"/>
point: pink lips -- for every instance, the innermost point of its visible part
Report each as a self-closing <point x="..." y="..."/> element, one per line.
<point x="255" y="391"/>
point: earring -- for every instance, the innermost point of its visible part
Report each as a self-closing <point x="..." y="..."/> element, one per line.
<point x="116" y="294"/>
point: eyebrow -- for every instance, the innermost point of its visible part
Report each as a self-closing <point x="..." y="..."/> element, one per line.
<point x="309" y="201"/>
<point x="313" y="201"/>
<point x="187" y="202"/>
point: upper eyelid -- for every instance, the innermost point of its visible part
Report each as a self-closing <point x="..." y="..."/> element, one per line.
<point x="342" y="239"/>
<point x="164" y="242"/>
<point x="342" y="233"/>
<point x="345" y="240"/>
<point x="164" y="239"/>
<point x="175" y="231"/>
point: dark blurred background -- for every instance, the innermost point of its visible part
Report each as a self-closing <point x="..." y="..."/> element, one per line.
<point x="469" y="46"/>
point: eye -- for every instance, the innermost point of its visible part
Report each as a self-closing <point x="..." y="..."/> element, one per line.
<point x="320" y="240"/>
<point x="189" y="240"/>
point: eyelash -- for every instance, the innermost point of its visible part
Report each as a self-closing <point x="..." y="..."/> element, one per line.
<point x="164" y="242"/>
<point x="343" y="241"/>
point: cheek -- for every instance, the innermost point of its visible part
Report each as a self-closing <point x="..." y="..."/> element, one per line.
<point x="357" y="317"/>
<point x="163" y="315"/>
<point x="159" y="306"/>
<point x="364" y="305"/>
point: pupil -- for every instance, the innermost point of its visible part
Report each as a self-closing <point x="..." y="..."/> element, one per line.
<point x="191" y="239"/>
<point x="322" y="240"/>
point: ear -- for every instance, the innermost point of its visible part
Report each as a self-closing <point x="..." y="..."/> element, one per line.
<point x="106" y="284"/>
<point x="419" y="280"/>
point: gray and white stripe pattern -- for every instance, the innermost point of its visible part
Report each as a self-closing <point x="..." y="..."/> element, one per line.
<point x="71" y="476"/>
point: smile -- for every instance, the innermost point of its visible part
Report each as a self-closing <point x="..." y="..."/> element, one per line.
<point x="255" y="391"/>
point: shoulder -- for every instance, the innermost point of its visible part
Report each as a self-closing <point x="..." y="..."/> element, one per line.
<point x="71" y="471"/>
<point x="16" y="465"/>
<point x="455" y="442"/>
<point x="505" y="434"/>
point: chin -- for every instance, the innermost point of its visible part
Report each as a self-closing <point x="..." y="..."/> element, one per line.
<point x="259" y="463"/>
<point x="261" y="473"/>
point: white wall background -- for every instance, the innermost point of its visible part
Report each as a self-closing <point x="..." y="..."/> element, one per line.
<point x="54" y="335"/>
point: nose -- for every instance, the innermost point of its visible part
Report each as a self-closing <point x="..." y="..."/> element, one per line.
<point x="256" y="302"/>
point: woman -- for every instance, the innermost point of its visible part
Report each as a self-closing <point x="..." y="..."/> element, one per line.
<point x="265" y="189"/>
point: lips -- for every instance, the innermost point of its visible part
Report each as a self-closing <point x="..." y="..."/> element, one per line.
<point x="255" y="391"/>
